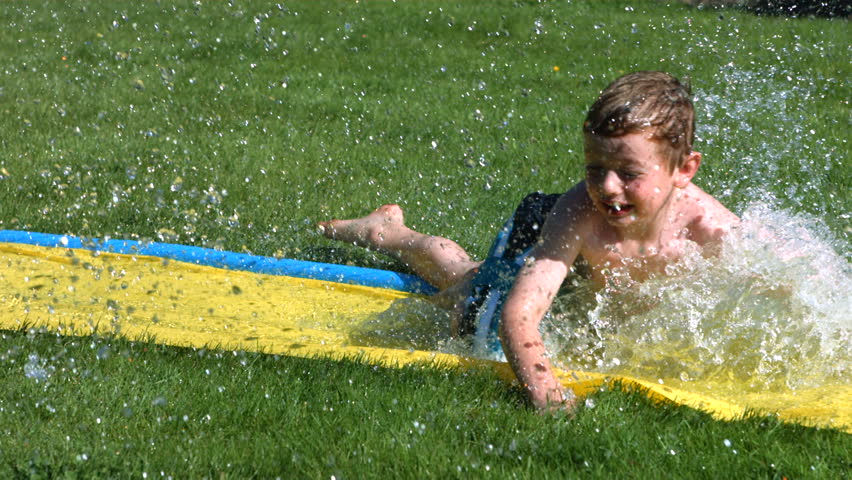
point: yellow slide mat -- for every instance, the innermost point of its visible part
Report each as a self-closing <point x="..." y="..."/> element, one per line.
<point x="78" y="292"/>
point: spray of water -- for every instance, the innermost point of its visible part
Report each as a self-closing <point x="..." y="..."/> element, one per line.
<point x="762" y="136"/>
<point x="770" y="312"/>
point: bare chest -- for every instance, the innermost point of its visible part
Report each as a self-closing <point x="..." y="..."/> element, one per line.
<point x="625" y="262"/>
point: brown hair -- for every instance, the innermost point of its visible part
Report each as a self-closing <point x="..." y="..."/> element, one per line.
<point x="655" y="101"/>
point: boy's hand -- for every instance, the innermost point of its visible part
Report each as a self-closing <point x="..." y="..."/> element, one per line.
<point x="559" y="401"/>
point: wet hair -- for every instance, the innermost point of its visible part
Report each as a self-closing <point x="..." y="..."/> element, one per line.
<point x="652" y="101"/>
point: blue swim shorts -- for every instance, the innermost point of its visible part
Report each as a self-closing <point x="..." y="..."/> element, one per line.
<point x="497" y="273"/>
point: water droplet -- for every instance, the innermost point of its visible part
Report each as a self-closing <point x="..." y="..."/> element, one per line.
<point x="36" y="368"/>
<point x="103" y="353"/>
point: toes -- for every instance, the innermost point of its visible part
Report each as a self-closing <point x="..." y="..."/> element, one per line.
<point x="325" y="228"/>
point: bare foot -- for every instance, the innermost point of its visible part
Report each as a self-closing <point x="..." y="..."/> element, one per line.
<point x="369" y="231"/>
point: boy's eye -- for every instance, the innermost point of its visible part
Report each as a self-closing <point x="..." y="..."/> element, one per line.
<point x="628" y="175"/>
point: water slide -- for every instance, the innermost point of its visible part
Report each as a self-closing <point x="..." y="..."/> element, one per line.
<point x="195" y="297"/>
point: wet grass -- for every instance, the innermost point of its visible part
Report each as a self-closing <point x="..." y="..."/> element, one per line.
<point x="239" y="125"/>
<point x="99" y="407"/>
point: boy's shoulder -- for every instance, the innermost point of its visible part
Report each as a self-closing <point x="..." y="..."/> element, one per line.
<point x="701" y="217"/>
<point x="707" y="219"/>
<point x="574" y="216"/>
<point x="574" y="207"/>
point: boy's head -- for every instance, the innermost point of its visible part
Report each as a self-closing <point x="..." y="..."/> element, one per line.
<point x="646" y="101"/>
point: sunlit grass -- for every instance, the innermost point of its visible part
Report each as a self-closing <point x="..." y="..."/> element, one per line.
<point x="243" y="125"/>
<point x="114" y="408"/>
<point x="239" y="125"/>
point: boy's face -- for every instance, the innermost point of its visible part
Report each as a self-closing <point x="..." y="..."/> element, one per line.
<point x="629" y="179"/>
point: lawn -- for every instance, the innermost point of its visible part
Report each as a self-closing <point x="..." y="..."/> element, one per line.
<point x="239" y="125"/>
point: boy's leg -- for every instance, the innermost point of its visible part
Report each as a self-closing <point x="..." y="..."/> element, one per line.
<point x="439" y="261"/>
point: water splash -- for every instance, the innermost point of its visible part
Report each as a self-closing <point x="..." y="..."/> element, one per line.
<point x="410" y="323"/>
<point x="758" y="144"/>
<point x="37" y="368"/>
<point x="770" y="312"/>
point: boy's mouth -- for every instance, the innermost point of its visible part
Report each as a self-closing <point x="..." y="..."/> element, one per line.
<point x="617" y="209"/>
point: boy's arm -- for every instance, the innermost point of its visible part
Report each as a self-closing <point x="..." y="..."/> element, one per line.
<point x="526" y="305"/>
<point x="532" y="294"/>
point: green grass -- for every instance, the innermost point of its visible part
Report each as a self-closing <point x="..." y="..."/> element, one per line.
<point x="113" y="408"/>
<point x="240" y="125"/>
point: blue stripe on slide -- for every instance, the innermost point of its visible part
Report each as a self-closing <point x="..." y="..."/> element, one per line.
<point x="369" y="277"/>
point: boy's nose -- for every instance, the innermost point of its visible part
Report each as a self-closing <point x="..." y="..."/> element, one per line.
<point x="610" y="183"/>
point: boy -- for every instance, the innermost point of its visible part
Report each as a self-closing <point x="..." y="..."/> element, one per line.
<point x="635" y="212"/>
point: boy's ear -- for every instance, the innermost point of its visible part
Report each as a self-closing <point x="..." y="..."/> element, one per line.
<point x="687" y="170"/>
